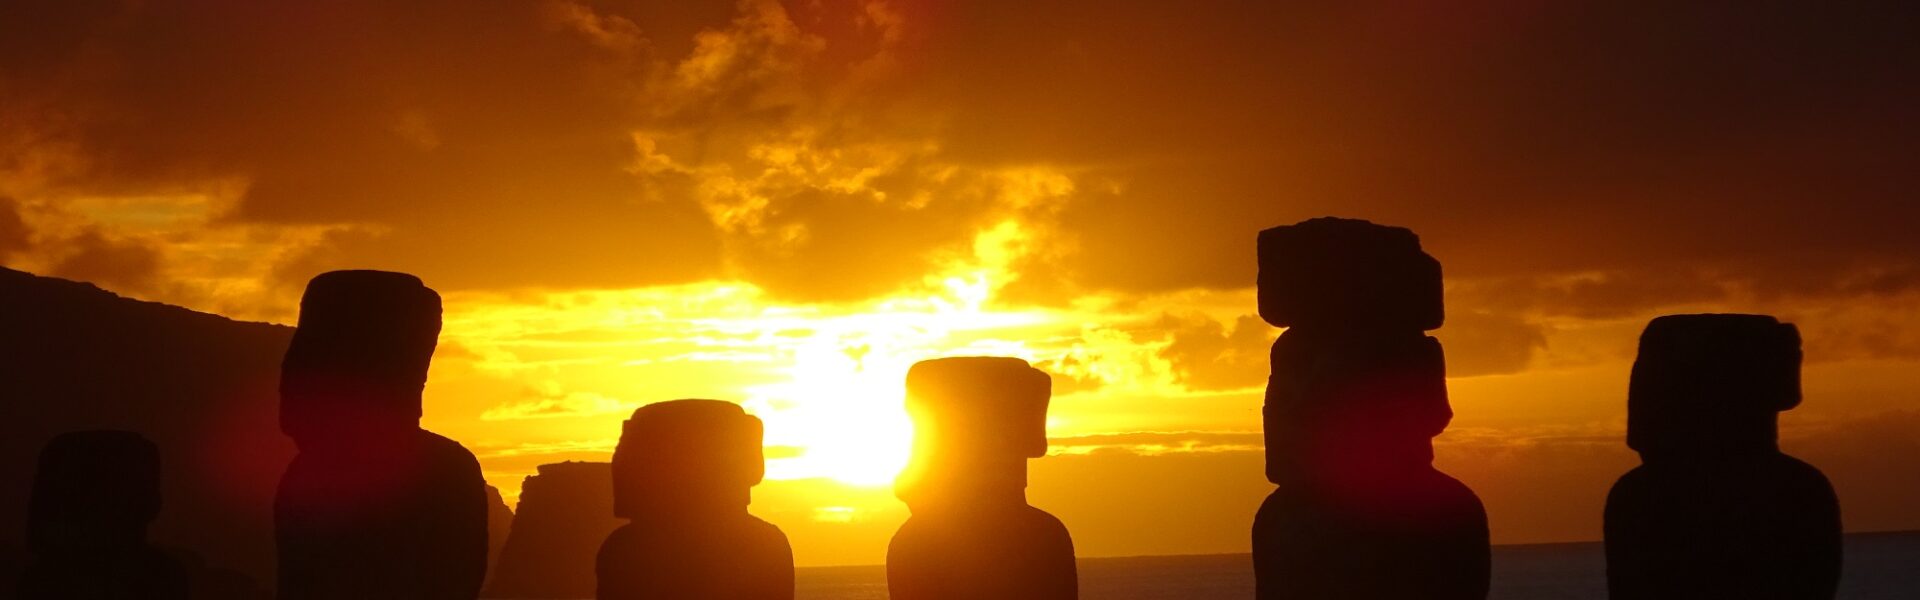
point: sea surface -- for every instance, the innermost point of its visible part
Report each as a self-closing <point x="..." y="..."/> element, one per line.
<point x="1879" y="566"/>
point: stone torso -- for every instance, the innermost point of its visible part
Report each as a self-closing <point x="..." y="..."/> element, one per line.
<point x="734" y="558"/>
<point x="405" y="524"/>
<point x="1014" y="553"/>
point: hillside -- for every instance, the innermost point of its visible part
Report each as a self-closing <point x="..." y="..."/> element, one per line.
<point x="73" y="356"/>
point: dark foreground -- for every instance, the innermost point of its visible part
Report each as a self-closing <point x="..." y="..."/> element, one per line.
<point x="1880" y="566"/>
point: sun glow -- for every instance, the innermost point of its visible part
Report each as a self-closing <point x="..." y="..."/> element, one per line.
<point x="840" y="411"/>
<point x="827" y="380"/>
<point x="841" y="406"/>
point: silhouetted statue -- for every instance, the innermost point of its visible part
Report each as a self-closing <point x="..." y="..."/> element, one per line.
<point x="1715" y="510"/>
<point x="566" y="511"/>
<point x="1357" y="393"/>
<point x="212" y="582"/>
<point x="683" y="474"/>
<point x="93" y="497"/>
<point x="372" y="506"/>
<point x="972" y="535"/>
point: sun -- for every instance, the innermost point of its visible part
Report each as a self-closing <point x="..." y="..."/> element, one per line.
<point x="839" y="409"/>
<point x="840" y="414"/>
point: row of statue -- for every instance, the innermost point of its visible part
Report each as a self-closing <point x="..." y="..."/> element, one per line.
<point x="374" y="507"/>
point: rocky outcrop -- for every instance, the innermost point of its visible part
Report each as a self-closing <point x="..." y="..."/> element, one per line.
<point x="565" y="510"/>
<point x="499" y="526"/>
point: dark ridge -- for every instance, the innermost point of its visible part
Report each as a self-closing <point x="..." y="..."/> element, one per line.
<point x="200" y="386"/>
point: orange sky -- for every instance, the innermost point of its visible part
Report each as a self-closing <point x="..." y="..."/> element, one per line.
<point x="786" y="204"/>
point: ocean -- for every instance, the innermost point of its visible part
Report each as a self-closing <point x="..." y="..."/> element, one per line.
<point x="1879" y="566"/>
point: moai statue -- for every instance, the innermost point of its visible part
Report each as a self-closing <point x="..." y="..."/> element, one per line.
<point x="372" y="506"/>
<point x="93" y="497"/>
<point x="1715" y="510"/>
<point x="683" y="474"/>
<point x="1357" y="393"/>
<point x="972" y="535"/>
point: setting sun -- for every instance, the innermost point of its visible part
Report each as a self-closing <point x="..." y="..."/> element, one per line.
<point x="840" y="412"/>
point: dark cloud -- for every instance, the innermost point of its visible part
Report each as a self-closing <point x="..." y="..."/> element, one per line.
<point x="122" y="264"/>
<point x="1481" y="343"/>
<point x="1868" y="460"/>
<point x="488" y="145"/>
<point x="1206" y="355"/>
<point x="1618" y="293"/>
<point x="1644" y="141"/>
<point x="1494" y="325"/>
<point x="14" y="235"/>
<point x="1596" y="158"/>
<point x="1539" y="485"/>
<point x="1858" y="330"/>
<point x="1595" y="295"/>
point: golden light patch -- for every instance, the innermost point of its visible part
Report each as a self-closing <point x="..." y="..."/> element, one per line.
<point x="835" y="514"/>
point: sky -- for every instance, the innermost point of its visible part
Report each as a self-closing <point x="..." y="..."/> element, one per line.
<point x="786" y="204"/>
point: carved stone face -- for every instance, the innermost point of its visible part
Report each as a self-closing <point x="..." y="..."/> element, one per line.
<point x="976" y="422"/>
<point x="94" y="489"/>
<point x="358" y="360"/>
<point x="685" y="456"/>
<point x="1711" y="384"/>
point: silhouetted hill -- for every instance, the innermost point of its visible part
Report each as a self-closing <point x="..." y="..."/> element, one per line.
<point x="201" y="386"/>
